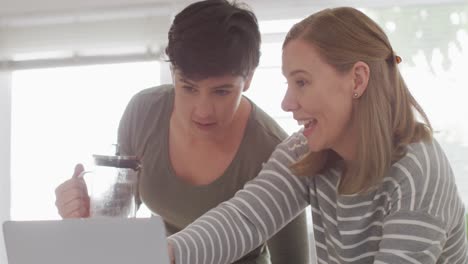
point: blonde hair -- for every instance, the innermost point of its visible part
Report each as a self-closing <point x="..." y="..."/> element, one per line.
<point x="385" y="114"/>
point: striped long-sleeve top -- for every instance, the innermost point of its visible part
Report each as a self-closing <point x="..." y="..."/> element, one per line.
<point x="414" y="216"/>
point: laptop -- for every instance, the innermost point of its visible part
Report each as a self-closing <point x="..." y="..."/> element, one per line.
<point x="87" y="241"/>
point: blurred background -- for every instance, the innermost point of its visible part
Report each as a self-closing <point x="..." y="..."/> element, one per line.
<point x="68" y="69"/>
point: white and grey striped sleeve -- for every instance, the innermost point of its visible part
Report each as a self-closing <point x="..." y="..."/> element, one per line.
<point x="234" y="228"/>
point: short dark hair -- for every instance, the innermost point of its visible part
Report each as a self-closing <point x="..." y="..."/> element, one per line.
<point x="213" y="38"/>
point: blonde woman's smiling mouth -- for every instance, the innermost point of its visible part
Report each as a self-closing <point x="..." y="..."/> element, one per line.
<point x="309" y="125"/>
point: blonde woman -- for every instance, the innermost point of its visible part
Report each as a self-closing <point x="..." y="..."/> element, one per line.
<point x="380" y="187"/>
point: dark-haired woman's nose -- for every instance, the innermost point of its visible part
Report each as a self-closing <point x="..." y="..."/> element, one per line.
<point x="204" y="108"/>
<point x="289" y="103"/>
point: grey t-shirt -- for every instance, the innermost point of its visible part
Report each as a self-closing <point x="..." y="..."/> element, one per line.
<point x="144" y="132"/>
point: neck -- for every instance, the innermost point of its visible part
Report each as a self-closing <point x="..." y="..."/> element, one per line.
<point x="347" y="152"/>
<point x="228" y="133"/>
<point x="347" y="146"/>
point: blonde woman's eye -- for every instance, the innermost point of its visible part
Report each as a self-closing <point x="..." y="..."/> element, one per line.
<point x="300" y="83"/>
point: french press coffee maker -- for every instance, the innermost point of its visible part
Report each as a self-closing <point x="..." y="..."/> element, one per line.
<point x="112" y="186"/>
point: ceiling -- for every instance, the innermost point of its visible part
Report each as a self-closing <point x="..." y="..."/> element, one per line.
<point x="29" y="26"/>
<point x="14" y="8"/>
<point x="23" y="7"/>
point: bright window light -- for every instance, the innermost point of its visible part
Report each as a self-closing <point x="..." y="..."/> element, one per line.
<point x="60" y="117"/>
<point x="277" y="26"/>
<point x="440" y="90"/>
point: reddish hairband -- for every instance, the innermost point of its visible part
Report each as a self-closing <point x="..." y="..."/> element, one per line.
<point x="398" y="59"/>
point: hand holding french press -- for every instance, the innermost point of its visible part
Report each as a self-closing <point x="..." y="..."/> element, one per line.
<point x="109" y="189"/>
<point x="72" y="199"/>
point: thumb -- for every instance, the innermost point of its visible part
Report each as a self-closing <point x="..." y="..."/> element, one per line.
<point x="78" y="170"/>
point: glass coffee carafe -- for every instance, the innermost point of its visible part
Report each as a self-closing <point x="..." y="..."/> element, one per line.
<point x="112" y="186"/>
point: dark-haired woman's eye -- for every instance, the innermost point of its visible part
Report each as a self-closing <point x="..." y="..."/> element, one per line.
<point x="222" y="92"/>
<point x="189" y="89"/>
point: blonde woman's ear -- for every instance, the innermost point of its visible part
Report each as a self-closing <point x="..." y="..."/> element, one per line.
<point x="361" y="74"/>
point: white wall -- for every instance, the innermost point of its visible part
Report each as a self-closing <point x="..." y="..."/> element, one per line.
<point x="5" y="124"/>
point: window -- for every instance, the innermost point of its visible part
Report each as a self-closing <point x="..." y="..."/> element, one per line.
<point x="60" y="116"/>
<point x="433" y="42"/>
<point x="268" y="80"/>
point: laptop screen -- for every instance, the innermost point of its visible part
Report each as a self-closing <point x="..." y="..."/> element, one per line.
<point x="86" y="241"/>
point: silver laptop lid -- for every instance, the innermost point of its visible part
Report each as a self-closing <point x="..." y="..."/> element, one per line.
<point x="86" y="241"/>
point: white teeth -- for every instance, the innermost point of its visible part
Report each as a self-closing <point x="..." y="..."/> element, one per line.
<point x="305" y="122"/>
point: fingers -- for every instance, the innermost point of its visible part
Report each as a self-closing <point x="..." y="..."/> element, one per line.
<point x="71" y="197"/>
<point x="71" y="188"/>
<point x="69" y="191"/>
<point x="76" y="208"/>
<point x="78" y="170"/>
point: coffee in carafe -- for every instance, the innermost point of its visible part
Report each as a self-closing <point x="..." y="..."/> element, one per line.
<point x="112" y="186"/>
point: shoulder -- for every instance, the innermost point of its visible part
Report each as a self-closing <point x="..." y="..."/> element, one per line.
<point x="152" y="95"/>
<point x="149" y="104"/>
<point x="150" y="101"/>
<point x="264" y="126"/>
<point x="423" y="174"/>
<point x="425" y="161"/>
<point x="261" y="136"/>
